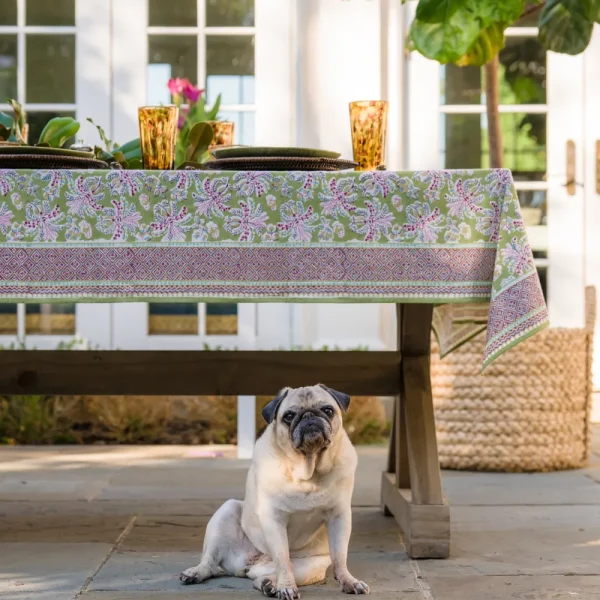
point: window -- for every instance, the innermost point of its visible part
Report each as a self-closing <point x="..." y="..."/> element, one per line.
<point x="49" y="319"/>
<point x="523" y="117"/>
<point x="211" y="42"/>
<point x="192" y="319"/>
<point x="37" y="67"/>
<point x="8" y="319"/>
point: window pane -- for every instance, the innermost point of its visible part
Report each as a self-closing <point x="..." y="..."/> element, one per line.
<point x="233" y="13"/>
<point x="234" y="89"/>
<point x="8" y="12"/>
<point x="8" y="319"/>
<point x="462" y="134"/>
<point x="50" y="68"/>
<point x="50" y="319"/>
<point x="522" y="72"/>
<point x="534" y="211"/>
<point x="172" y="319"/>
<point x="221" y="319"/>
<point x="461" y="85"/>
<point x="8" y="66"/>
<point x="230" y="55"/>
<point x="170" y="56"/>
<point x="174" y="13"/>
<point x="37" y="121"/>
<point x="522" y="76"/>
<point x="524" y="142"/>
<point x="50" y="12"/>
<point x="244" y="126"/>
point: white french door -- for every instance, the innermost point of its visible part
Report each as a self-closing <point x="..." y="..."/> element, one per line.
<point x="542" y="120"/>
<point x="242" y="50"/>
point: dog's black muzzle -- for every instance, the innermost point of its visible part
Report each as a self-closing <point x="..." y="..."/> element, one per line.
<point x="310" y="431"/>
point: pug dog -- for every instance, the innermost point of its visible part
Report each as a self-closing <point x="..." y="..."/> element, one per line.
<point x="295" y="520"/>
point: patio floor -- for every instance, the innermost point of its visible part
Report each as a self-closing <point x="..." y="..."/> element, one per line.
<point x="117" y="523"/>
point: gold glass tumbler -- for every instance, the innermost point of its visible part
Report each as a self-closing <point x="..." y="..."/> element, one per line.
<point x="158" y="136"/>
<point x="222" y="133"/>
<point x="368" y="120"/>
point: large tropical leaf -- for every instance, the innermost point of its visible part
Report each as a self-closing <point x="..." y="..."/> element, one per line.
<point x="437" y="11"/>
<point x="447" y="41"/>
<point x="566" y="25"/>
<point x="465" y="32"/>
<point x="485" y="47"/>
<point x="497" y="11"/>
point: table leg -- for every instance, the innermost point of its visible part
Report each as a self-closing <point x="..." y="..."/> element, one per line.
<point x="411" y="488"/>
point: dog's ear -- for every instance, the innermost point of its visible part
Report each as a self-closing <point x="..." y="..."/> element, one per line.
<point x="269" y="412"/>
<point x="342" y="399"/>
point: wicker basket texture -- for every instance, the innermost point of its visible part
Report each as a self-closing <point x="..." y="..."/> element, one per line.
<point x="530" y="411"/>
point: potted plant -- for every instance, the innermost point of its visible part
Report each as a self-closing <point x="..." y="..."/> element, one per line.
<point x="194" y="117"/>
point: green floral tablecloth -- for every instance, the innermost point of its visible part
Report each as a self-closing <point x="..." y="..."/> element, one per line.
<point x="430" y="236"/>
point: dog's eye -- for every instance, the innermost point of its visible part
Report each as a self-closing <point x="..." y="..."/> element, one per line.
<point x="288" y="417"/>
<point x="328" y="410"/>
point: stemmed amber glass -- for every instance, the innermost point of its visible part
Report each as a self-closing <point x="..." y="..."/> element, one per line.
<point x="368" y="120"/>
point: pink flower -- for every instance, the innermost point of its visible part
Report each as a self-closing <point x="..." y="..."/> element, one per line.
<point x="191" y="92"/>
<point x="177" y="85"/>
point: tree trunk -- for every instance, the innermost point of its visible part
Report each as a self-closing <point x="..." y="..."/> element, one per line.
<point x="492" y="95"/>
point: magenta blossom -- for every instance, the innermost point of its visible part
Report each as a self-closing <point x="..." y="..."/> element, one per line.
<point x="177" y="85"/>
<point x="191" y="92"/>
<point x="181" y="87"/>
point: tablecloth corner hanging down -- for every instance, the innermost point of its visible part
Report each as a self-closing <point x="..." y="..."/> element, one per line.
<point x="442" y="237"/>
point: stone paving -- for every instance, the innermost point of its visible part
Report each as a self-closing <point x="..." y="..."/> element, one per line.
<point x="120" y="523"/>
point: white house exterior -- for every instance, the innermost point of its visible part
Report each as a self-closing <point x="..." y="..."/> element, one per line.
<point x="287" y="70"/>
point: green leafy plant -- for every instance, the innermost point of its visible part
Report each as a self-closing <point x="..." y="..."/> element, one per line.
<point x="12" y="127"/>
<point x="128" y="155"/>
<point x="197" y="142"/>
<point x="57" y="131"/>
<point x="192" y="141"/>
<point x="471" y="32"/>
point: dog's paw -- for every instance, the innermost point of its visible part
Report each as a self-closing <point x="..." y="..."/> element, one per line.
<point x="354" y="586"/>
<point x="288" y="593"/>
<point x="268" y="588"/>
<point x="192" y="575"/>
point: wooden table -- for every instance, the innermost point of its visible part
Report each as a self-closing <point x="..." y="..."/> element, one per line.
<point x="411" y="487"/>
<point x="411" y="238"/>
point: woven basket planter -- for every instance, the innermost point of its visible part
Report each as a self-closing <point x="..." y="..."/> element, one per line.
<point x="529" y="412"/>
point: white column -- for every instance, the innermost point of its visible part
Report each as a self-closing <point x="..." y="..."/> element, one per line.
<point x="275" y="59"/>
<point x="340" y="59"/>
<point x="246" y="426"/>
<point x="339" y="45"/>
<point x="130" y="59"/>
<point x="92" y="67"/>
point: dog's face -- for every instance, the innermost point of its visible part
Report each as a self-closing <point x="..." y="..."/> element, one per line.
<point x="307" y="420"/>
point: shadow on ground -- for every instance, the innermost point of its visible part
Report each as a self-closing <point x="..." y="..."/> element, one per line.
<point x="117" y="523"/>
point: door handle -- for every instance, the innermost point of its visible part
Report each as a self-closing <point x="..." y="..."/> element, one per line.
<point x="570" y="185"/>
